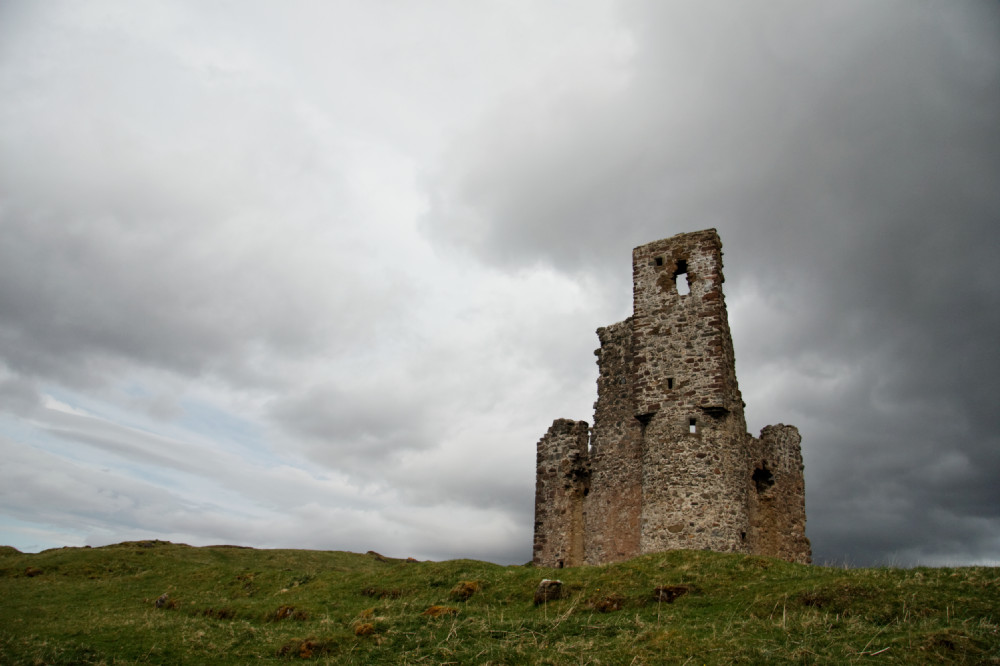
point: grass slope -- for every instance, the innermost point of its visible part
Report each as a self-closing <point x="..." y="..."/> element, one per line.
<point x="236" y="605"/>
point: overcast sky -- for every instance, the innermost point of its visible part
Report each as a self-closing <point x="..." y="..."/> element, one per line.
<point x="320" y="274"/>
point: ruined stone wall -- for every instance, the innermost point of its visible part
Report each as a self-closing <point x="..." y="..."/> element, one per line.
<point x="671" y="464"/>
<point x="561" y="480"/>
<point x="613" y="505"/>
<point x="777" y="494"/>
<point x="684" y="351"/>
<point x="694" y="490"/>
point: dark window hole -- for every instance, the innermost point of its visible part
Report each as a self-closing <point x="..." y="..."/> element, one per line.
<point x="644" y="419"/>
<point x="763" y="479"/>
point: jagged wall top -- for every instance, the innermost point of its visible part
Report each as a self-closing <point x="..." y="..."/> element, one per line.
<point x="683" y="343"/>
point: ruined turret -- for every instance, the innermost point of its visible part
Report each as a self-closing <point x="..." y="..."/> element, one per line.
<point x="669" y="462"/>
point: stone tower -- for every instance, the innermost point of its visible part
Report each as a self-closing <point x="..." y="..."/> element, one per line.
<point x="669" y="463"/>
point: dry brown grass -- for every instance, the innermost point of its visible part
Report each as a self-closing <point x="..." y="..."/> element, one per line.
<point x="364" y="629"/>
<point x="381" y="593"/>
<point x="440" y="611"/>
<point x="607" y="603"/>
<point x="288" y="613"/>
<point x="219" y="613"/>
<point x="668" y="593"/>
<point x="464" y="590"/>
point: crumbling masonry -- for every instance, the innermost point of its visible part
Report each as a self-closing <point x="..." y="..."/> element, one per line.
<point x="669" y="463"/>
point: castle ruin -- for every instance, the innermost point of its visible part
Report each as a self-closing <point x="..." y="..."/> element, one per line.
<point x="669" y="463"/>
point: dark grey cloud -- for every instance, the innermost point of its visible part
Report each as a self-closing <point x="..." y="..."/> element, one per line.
<point x="848" y="155"/>
<point x="767" y="122"/>
<point x="220" y="322"/>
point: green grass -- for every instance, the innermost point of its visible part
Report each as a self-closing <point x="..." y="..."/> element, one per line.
<point x="236" y="605"/>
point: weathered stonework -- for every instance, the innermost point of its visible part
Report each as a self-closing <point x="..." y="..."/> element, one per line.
<point x="669" y="463"/>
<point x="560" y="488"/>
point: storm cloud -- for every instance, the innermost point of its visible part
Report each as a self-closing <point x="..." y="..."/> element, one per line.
<point x="320" y="277"/>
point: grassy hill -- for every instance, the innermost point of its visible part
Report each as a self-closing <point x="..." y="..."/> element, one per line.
<point x="157" y="602"/>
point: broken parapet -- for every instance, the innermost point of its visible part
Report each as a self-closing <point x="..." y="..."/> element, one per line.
<point x="560" y="487"/>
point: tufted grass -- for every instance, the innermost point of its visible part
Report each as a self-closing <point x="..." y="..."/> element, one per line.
<point x="229" y="605"/>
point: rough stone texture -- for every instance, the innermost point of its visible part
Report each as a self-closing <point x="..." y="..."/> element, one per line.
<point x="670" y="464"/>
<point x="777" y="509"/>
<point x="613" y="505"/>
<point x="563" y="474"/>
<point x="548" y="590"/>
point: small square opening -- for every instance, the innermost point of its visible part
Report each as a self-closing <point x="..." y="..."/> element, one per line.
<point x="658" y="261"/>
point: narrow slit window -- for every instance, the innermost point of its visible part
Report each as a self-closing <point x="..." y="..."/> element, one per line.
<point x="670" y="382"/>
<point x="693" y="426"/>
